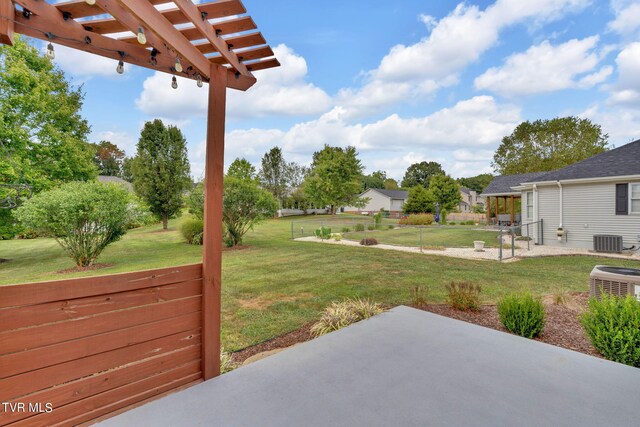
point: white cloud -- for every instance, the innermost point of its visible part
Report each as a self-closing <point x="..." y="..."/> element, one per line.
<point x="83" y="64"/>
<point x="620" y="123"/>
<point x="627" y="21"/>
<point x="455" y="41"/>
<point x="547" y="68"/>
<point x="627" y="88"/>
<point x="279" y="91"/>
<point x="123" y="140"/>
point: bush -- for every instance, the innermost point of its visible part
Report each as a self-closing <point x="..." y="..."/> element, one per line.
<point x="613" y="325"/>
<point x="470" y="222"/>
<point x="418" y="219"/>
<point x="522" y="314"/>
<point x="341" y="314"/>
<point x="346" y="230"/>
<point x="464" y="296"/>
<point x="83" y="217"/>
<point x="192" y="230"/>
<point x="390" y="227"/>
<point x="419" y="296"/>
<point x="138" y="213"/>
<point x="371" y="227"/>
<point x="359" y="227"/>
<point x="322" y="233"/>
<point x="368" y="242"/>
<point x="337" y="237"/>
<point x="377" y="218"/>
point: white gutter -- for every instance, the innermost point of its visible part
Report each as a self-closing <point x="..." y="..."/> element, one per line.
<point x="561" y="198"/>
<point x="581" y="181"/>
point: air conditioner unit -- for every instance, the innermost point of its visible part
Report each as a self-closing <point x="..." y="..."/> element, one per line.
<point x="617" y="281"/>
<point x="607" y="243"/>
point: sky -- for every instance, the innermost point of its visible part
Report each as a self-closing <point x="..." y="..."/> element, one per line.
<point x="402" y="81"/>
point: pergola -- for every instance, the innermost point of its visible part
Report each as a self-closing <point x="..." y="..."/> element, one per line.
<point x="212" y="41"/>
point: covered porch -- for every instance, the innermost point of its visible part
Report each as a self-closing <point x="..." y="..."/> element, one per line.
<point x="411" y="368"/>
<point x="504" y="209"/>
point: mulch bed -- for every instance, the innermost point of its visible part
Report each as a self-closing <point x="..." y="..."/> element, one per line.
<point x="81" y="269"/>
<point x="562" y="327"/>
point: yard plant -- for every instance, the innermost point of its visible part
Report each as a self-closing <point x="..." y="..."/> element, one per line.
<point x="613" y="325"/>
<point x="341" y="314"/>
<point x="83" y="217"/>
<point x="192" y="230"/>
<point x="369" y="241"/>
<point x="522" y="314"/>
<point x="417" y="219"/>
<point x="464" y="296"/>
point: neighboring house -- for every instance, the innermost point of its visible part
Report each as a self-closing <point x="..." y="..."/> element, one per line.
<point x="117" y="180"/>
<point x="599" y="195"/>
<point x="470" y="199"/>
<point x="390" y="200"/>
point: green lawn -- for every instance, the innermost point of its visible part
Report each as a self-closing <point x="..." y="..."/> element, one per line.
<point x="448" y="237"/>
<point x="278" y="285"/>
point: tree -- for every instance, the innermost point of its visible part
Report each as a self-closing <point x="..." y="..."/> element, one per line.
<point x="83" y="217"/>
<point x="244" y="205"/>
<point x="273" y="174"/>
<point x="242" y="169"/>
<point x="420" y="200"/>
<point x="108" y="158"/>
<point x="42" y="134"/>
<point x="127" y="169"/>
<point x="391" y="184"/>
<point x="296" y="174"/>
<point x="421" y="174"/>
<point x="545" y="145"/>
<point x="375" y="180"/>
<point x="335" y="178"/>
<point x="161" y="169"/>
<point x="446" y="191"/>
<point x="476" y="183"/>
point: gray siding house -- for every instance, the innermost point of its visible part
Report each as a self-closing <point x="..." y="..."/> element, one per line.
<point x="389" y="200"/>
<point x="599" y="195"/>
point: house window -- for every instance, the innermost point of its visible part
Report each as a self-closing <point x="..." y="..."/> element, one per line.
<point x="529" y="197"/>
<point x="635" y="198"/>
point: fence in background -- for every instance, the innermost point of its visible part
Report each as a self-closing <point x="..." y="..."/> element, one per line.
<point x="456" y="216"/>
<point x="88" y="347"/>
<point x="531" y="233"/>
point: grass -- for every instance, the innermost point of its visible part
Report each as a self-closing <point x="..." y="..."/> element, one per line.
<point x="278" y="285"/>
<point x="434" y="236"/>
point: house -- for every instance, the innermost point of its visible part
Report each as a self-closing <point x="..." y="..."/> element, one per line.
<point x="116" y="180"/>
<point x="599" y="195"/>
<point x="470" y="199"/>
<point x="390" y="200"/>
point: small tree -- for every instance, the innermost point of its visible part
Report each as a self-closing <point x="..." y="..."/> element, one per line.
<point x="242" y="169"/>
<point x="244" y="205"/>
<point x="83" y="217"/>
<point x="420" y="200"/>
<point x="161" y="169"/>
<point x="446" y="191"/>
<point x="108" y="158"/>
<point x="274" y="173"/>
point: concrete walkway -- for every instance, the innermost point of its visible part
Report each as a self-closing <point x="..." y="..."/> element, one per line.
<point x="489" y="254"/>
<point x="408" y="367"/>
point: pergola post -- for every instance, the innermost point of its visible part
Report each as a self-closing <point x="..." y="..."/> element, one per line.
<point x="212" y="242"/>
<point x="6" y="24"/>
<point x="513" y="209"/>
<point x="497" y="210"/>
<point x="488" y="210"/>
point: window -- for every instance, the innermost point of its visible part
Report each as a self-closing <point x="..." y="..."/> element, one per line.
<point x="529" y="204"/>
<point x="635" y="199"/>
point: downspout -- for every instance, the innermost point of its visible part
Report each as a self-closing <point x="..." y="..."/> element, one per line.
<point x="561" y="232"/>
<point x="535" y="213"/>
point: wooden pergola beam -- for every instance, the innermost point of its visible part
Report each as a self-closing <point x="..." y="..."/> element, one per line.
<point x="7" y="26"/>
<point x="209" y="32"/>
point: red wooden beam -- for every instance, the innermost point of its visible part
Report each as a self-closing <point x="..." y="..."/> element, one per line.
<point x="6" y="23"/>
<point x="212" y="244"/>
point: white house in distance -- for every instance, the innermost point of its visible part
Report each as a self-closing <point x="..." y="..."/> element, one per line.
<point x="584" y="203"/>
<point x="470" y="199"/>
<point x="390" y="200"/>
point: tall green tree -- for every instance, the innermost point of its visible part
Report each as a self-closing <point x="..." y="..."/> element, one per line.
<point x="545" y="145"/>
<point x="421" y="174"/>
<point x="296" y="174"/>
<point x="161" y="169"/>
<point x="43" y="137"/>
<point x="127" y="169"/>
<point x="242" y="169"/>
<point x="391" y="184"/>
<point x="273" y="174"/>
<point x="374" y="180"/>
<point x="477" y="183"/>
<point x="420" y="200"/>
<point x="108" y="158"/>
<point x="446" y="191"/>
<point x="335" y="178"/>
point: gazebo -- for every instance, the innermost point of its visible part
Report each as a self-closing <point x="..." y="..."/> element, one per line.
<point x="72" y="351"/>
<point x="501" y="188"/>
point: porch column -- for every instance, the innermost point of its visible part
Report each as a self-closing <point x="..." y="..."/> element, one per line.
<point x="7" y="10"/>
<point x="497" y="209"/>
<point x="513" y="209"/>
<point x="212" y="242"/>
<point x="488" y="210"/>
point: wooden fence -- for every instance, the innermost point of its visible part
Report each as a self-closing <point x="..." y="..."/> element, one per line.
<point x="456" y="216"/>
<point x="72" y="351"/>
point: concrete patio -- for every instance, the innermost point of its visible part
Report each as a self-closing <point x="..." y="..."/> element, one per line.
<point x="408" y="367"/>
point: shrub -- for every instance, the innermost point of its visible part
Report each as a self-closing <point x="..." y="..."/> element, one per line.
<point x="359" y="227"/>
<point x="341" y="314"/>
<point x="419" y="296"/>
<point x="322" y="233"/>
<point x="613" y="325"/>
<point x="470" y="222"/>
<point x="464" y="296"/>
<point x="138" y="213"/>
<point x="522" y="314"/>
<point x="418" y="219"/>
<point x="377" y="218"/>
<point x="371" y="227"/>
<point x="337" y="237"/>
<point x="390" y="227"/>
<point x="83" y="217"/>
<point x="192" y="230"/>
<point x="346" y="230"/>
<point x="369" y="241"/>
